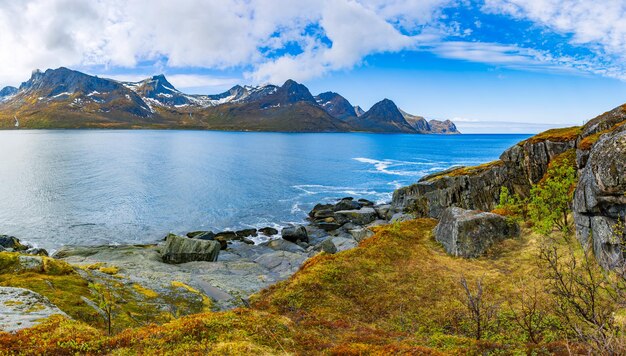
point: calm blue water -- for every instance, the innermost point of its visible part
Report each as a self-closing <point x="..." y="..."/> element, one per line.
<point x="95" y="187"/>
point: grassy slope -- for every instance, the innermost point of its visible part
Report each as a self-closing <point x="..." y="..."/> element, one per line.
<point x="397" y="292"/>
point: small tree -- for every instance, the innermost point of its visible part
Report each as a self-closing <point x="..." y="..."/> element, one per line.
<point x="550" y="200"/>
<point x="513" y="205"/>
<point x="529" y="311"/>
<point x="482" y="313"/>
<point x="585" y="298"/>
<point x="107" y="302"/>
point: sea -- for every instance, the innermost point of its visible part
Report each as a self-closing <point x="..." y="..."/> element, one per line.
<point x="92" y="187"/>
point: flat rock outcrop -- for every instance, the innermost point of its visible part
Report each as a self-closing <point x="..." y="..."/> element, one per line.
<point x="469" y="233"/>
<point x="21" y="308"/>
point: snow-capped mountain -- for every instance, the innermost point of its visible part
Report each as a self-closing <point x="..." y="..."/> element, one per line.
<point x="60" y="98"/>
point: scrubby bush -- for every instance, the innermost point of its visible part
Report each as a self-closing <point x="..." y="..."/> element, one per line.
<point x="551" y="199"/>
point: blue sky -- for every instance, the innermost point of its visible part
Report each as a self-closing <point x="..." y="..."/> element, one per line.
<point x="489" y="65"/>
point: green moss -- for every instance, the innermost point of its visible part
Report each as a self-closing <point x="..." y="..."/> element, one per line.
<point x="67" y="289"/>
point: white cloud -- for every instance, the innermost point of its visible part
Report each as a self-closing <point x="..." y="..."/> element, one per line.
<point x="204" y="33"/>
<point x="596" y="25"/>
<point x="252" y="35"/>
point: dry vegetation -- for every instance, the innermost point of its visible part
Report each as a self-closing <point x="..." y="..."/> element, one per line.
<point x="555" y="135"/>
<point x="467" y="171"/>
<point x="398" y="292"/>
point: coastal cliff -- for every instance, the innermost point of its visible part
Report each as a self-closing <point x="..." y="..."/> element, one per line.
<point x="599" y="206"/>
<point x="518" y="168"/>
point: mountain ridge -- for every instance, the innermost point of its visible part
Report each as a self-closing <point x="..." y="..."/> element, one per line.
<point x="65" y="98"/>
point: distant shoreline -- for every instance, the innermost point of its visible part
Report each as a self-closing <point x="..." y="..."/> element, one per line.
<point x="254" y="131"/>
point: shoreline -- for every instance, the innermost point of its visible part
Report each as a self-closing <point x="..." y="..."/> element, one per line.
<point x="248" y="260"/>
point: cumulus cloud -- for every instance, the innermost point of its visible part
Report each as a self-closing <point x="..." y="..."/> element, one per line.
<point x="201" y="33"/>
<point x="273" y="40"/>
<point x="204" y="33"/>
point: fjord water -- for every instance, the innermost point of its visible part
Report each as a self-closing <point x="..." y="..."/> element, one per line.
<point x="110" y="187"/>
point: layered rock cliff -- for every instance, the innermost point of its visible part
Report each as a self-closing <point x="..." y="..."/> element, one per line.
<point x="600" y="198"/>
<point x="478" y="188"/>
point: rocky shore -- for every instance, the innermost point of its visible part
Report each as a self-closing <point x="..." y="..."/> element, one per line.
<point x="228" y="266"/>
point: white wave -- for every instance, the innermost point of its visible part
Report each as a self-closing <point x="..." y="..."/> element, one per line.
<point x="314" y="189"/>
<point x="295" y="208"/>
<point x="387" y="166"/>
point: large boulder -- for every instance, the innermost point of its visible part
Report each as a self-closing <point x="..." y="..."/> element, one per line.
<point x="295" y="233"/>
<point x="469" y="233"/>
<point x="180" y="249"/>
<point x="600" y="199"/>
<point x="362" y="216"/>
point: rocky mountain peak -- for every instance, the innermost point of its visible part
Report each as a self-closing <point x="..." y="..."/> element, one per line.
<point x="445" y="127"/>
<point x="385" y="109"/>
<point x="293" y="92"/>
<point x="7" y="91"/>
<point x="417" y="122"/>
<point x="55" y="82"/>
<point x="336" y="105"/>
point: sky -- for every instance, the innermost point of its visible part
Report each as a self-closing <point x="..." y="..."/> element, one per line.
<point x="506" y="66"/>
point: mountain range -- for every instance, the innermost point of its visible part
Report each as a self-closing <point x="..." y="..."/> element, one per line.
<point x="64" y="98"/>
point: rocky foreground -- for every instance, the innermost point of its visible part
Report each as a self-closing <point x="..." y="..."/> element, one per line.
<point x="228" y="267"/>
<point x="354" y="266"/>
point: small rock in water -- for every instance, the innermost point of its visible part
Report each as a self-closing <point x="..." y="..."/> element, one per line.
<point x="194" y="234"/>
<point x="37" y="252"/>
<point x="268" y="231"/>
<point x="320" y="207"/>
<point x="227" y="235"/>
<point x="12" y="242"/>
<point x="246" y="233"/>
<point x="206" y="235"/>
